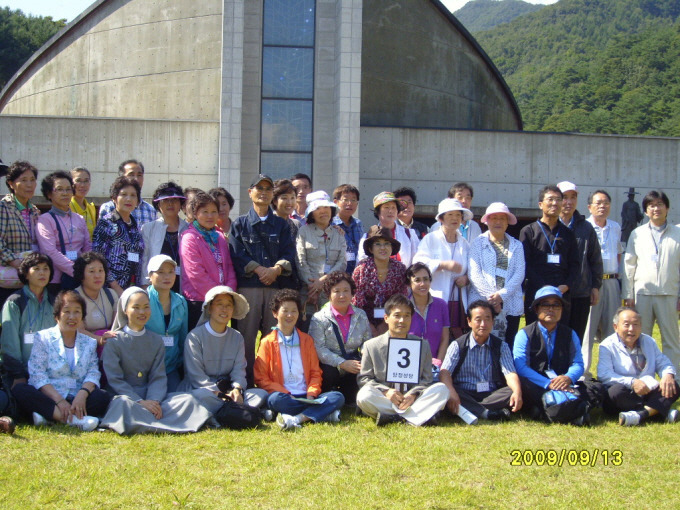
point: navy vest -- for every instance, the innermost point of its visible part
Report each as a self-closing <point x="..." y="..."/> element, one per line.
<point x="538" y="352"/>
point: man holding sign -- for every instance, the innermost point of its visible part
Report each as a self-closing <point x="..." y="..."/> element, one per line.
<point x="396" y="372"/>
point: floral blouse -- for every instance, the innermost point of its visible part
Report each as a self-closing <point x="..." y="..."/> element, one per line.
<point x="123" y="247"/>
<point x="371" y="293"/>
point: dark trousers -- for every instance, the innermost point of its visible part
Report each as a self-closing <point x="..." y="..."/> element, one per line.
<point x="285" y="403"/>
<point x="195" y="311"/>
<point x="580" y="310"/>
<point x="511" y="329"/>
<point x="32" y="400"/>
<point x="477" y="402"/>
<point x="345" y="383"/>
<point x="620" y="398"/>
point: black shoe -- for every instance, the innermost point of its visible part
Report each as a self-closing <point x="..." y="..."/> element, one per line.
<point x="432" y="422"/>
<point x="582" y="421"/>
<point x="499" y="415"/>
<point x="383" y="419"/>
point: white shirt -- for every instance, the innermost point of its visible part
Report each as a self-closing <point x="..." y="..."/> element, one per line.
<point x="291" y="363"/>
<point x="610" y="244"/>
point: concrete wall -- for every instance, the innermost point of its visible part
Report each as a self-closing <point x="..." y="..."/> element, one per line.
<point x="420" y="68"/>
<point x="513" y="166"/>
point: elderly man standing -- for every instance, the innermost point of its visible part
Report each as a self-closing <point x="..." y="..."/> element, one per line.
<point x="628" y="362"/>
<point x="652" y="273"/>
<point x="478" y="369"/>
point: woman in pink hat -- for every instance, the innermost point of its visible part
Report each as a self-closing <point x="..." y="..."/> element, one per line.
<point x="497" y="270"/>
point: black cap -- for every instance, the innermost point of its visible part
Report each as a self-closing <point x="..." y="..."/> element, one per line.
<point x="260" y="178"/>
<point x="3" y="169"/>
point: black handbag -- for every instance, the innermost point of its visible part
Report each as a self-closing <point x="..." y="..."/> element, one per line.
<point x="233" y="415"/>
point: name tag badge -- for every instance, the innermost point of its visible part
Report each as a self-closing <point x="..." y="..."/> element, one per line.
<point x="71" y="254"/>
<point x="553" y="258"/>
<point x="326" y="268"/>
<point x="71" y="384"/>
<point x="551" y="374"/>
<point x="178" y="270"/>
<point x="133" y="257"/>
<point x="168" y="341"/>
<point x="655" y="258"/>
<point x="483" y="387"/>
<point x="378" y="313"/>
<point x="97" y="314"/>
<point x="350" y="256"/>
<point x="29" y="338"/>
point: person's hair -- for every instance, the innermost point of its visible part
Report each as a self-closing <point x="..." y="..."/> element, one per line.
<point x="414" y="268"/>
<point x="336" y="277"/>
<point x="345" y="188"/>
<point x="598" y="192"/>
<point x="125" y="182"/>
<point x="655" y="195"/>
<point x="84" y="260"/>
<point x="16" y="169"/>
<point x="398" y="300"/>
<point x="480" y="303"/>
<point x="620" y="310"/>
<point x="310" y="216"/>
<point x="81" y="169"/>
<point x="64" y="297"/>
<point x="405" y="191"/>
<point x="549" y="187"/>
<point x="282" y="187"/>
<point x="302" y="176"/>
<point x="47" y="184"/>
<point x="216" y="193"/>
<point x="460" y="186"/>
<point x="285" y="295"/>
<point x="202" y="199"/>
<point x="376" y="210"/>
<point x="32" y="260"/>
<point x="163" y="189"/>
<point x="121" y="167"/>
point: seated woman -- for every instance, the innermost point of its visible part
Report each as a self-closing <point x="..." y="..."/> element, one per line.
<point x="135" y="367"/>
<point x="92" y="270"/>
<point x="215" y="352"/>
<point x="64" y="377"/>
<point x="287" y="367"/>
<point x="339" y="330"/>
<point x="431" y="316"/>
<point x="168" y="315"/>
<point x="25" y="312"/>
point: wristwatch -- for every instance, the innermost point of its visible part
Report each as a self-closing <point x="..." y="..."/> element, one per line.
<point x="238" y="387"/>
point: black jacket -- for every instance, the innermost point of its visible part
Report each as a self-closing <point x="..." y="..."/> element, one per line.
<point x="590" y="257"/>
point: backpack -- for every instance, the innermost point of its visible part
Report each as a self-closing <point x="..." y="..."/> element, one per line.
<point x="563" y="406"/>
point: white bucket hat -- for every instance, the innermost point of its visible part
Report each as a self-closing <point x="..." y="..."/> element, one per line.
<point x="451" y="204"/>
<point x="241" y="306"/>
<point x="499" y="207"/>
<point x="157" y="261"/>
<point x="318" y="199"/>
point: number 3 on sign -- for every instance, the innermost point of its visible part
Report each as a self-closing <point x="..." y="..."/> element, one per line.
<point x="403" y="360"/>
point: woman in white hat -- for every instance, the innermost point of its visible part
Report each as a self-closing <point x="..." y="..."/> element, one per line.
<point x="321" y="250"/>
<point x="445" y="252"/>
<point x="215" y="353"/>
<point x="497" y="270"/>
<point x="134" y="364"/>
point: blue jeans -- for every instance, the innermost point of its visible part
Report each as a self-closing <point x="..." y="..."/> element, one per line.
<point x="285" y="403"/>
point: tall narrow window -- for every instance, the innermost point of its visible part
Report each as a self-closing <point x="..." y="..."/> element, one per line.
<point x="287" y="87"/>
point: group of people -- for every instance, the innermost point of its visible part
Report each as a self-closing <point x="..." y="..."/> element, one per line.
<point x="140" y="320"/>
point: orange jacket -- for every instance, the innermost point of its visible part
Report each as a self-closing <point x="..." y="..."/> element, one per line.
<point x="269" y="371"/>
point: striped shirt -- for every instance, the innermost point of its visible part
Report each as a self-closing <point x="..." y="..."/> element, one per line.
<point x="477" y="365"/>
<point x="143" y="213"/>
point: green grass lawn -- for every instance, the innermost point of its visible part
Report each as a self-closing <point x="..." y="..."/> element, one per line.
<point x="353" y="464"/>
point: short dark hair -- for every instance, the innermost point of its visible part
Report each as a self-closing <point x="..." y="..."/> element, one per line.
<point x="480" y="303"/>
<point x="281" y="187"/>
<point x="414" y="268"/>
<point x="345" y="188"/>
<point x="655" y="195"/>
<point x="460" y="186"/>
<point x="398" y="300"/>
<point x="310" y="217"/>
<point x="166" y="189"/>
<point x="598" y="192"/>
<point x="285" y="295"/>
<point x="84" y="260"/>
<point x="302" y="176"/>
<point x="332" y="279"/>
<point x="216" y="193"/>
<point x="620" y="310"/>
<point x="80" y="169"/>
<point x="405" y="191"/>
<point x="16" y="169"/>
<point x="32" y="260"/>
<point x="65" y="296"/>
<point x="47" y="184"/>
<point x="121" y="167"/>
<point x="125" y="182"/>
<point x="202" y="199"/>
<point x="549" y="187"/>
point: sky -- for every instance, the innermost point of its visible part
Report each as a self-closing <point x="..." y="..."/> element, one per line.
<point x="70" y="9"/>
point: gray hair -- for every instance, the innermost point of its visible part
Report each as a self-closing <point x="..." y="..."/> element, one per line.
<point x="620" y="310"/>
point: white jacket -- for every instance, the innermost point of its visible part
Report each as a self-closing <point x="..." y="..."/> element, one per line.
<point x="409" y="245"/>
<point x="153" y="234"/>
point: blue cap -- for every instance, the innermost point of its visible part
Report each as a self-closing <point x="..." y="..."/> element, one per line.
<point x="545" y="292"/>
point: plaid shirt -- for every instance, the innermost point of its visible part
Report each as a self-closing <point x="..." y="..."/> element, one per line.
<point x="353" y="235"/>
<point x="14" y="236"/>
<point x="143" y="213"/>
<point x="115" y="240"/>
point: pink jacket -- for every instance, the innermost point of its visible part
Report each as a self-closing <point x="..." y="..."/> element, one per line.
<point x="200" y="272"/>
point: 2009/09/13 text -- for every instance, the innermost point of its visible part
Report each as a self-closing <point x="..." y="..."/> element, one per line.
<point x="566" y="457"/>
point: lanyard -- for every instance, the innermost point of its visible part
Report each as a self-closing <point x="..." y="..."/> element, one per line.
<point x="174" y="248"/>
<point x="656" y="246"/>
<point x="547" y="240"/>
<point x="549" y="346"/>
<point x="101" y="310"/>
<point x="69" y="231"/>
<point x="30" y="321"/>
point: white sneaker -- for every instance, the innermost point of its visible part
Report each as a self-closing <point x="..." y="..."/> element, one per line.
<point x="287" y="422"/>
<point x="629" y="419"/>
<point x="672" y="416"/>
<point x="86" y="423"/>
<point x="39" y="420"/>
<point x="334" y="417"/>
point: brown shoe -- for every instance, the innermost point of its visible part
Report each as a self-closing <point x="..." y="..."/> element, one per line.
<point x="7" y="425"/>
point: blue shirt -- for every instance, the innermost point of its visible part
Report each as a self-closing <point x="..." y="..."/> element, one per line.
<point x="177" y="327"/>
<point x="353" y="234"/>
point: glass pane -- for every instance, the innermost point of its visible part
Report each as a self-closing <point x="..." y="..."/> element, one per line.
<point x="286" y="125"/>
<point x="289" y="22"/>
<point x="281" y="165"/>
<point x="288" y="72"/>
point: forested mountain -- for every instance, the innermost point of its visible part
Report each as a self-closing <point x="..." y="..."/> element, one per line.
<point x="480" y="15"/>
<point x="594" y="66"/>
<point x="20" y="37"/>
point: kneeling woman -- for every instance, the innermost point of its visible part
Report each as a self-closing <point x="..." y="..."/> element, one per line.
<point x="135" y="367"/>
<point x="63" y="369"/>
<point x="215" y="352"/>
<point x="288" y="368"/>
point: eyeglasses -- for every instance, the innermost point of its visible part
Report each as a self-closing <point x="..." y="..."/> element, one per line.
<point x="552" y="200"/>
<point x="551" y="306"/>
<point x="348" y="201"/>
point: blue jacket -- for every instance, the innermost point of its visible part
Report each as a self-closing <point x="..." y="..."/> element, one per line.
<point x="178" y="328"/>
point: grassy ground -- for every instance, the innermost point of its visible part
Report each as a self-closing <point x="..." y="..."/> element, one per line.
<point x="350" y="464"/>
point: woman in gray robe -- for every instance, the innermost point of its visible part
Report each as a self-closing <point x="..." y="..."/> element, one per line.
<point x="135" y="367"/>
